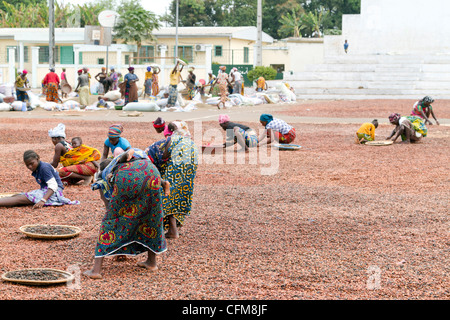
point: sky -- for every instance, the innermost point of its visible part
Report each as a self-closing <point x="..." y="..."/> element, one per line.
<point x="156" y="6"/>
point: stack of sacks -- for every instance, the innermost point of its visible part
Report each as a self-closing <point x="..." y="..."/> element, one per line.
<point x="34" y="100"/>
<point x="8" y="90"/>
<point x="71" y="105"/>
<point x="5" y="106"/>
<point x="142" y="106"/>
<point x="19" y="106"/>
<point x="115" y="97"/>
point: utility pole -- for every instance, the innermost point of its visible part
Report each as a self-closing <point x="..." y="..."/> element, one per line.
<point x="51" y="27"/>
<point x="259" y="35"/>
<point x="176" y="33"/>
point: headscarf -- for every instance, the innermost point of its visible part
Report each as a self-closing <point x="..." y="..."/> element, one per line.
<point x="24" y="72"/>
<point x="428" y="99"/>
<point x="149" y="69"/>
<point x="103" y="69"/>
<point x="191" y="69"/>
<point x="394" y="117"/>
<point x="224" y="118"/>
<point x="130" y="68"/>
<point x="115" y="131"/>
<point x="52" y="69"/>
<point x="111" y="68"/>
<point x="58" y="131"/>
<point x="159" y="123"/>
<point x="223" y="68"/>
<point x="266" y="118"/>
<point x="80" y="71"/>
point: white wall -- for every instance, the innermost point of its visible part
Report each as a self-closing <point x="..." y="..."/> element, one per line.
<point x="399" y="27"/>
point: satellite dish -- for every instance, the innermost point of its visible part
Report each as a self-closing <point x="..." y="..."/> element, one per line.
<point x="108" y="18"/>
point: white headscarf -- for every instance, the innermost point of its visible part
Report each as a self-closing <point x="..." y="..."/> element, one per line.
<point x="58" y="131"/>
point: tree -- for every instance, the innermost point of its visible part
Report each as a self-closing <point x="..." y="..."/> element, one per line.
<point x="268" y="73"/>
<point x="292" y="23"/>
<point x="135" y="24"/>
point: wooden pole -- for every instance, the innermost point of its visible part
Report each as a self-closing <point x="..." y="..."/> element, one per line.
<point x="51" y="27"/>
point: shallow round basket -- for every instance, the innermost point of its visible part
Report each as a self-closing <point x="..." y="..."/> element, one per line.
<point x="379" y="143"/>
<point x="76" y="232"/>
<point x="23" y="89"/>
<point x="66" y="88"/>
<point x="287" y="146"/>
<point x="8" y="194"/>
<point x="182" y="62"/>
<point x="63" y="276"/>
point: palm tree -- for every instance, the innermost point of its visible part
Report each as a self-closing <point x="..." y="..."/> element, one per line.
<point x="292" y="23"/>
<point x="135" y="24"/>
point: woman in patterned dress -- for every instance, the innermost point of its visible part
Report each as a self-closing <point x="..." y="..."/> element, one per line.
<point x="223" y="81"/>
<point x="176" y="158"/>
<point x="133" y="223"/>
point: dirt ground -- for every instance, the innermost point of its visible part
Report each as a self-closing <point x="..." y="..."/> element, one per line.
<point x="333" y="220"/>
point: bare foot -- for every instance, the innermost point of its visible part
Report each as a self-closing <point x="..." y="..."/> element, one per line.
<point x="130" y="154"/>
<point x="147" y="265"/>
<point x="166" y="188"/>
<point x="171" y="235"/>
<point x="120" y="258"/>
<point x="91" y="274"/>
<point x="87" y="181"/>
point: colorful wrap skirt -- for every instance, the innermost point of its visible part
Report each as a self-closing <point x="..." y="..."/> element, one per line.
<point x="52" y="92"/>
<point x="155" y="85"/>
<point x="133" y="223"/>
<point x="148" y="86"/>
<point x="22" y="95"/>
<point x="57" y="198"/>
<point x="86" y="169"/>
<point x="418" y="125"/>
<point x="250" y="137"/>
<point x="180" y="171"/>
<point x="286" y="138"/>
<point x="364" y="136"/>
<point x="173" y="95"/>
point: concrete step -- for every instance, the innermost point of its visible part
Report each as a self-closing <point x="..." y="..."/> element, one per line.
<point x="369" y="91"/>
<point x="364" y="97"/>
<point x="398" y="85"/>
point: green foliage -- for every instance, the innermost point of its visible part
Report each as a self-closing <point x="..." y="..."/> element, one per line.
<point x="268" y="73"/>
<point x="135" y="24"/>
<point x="315" y="15"/>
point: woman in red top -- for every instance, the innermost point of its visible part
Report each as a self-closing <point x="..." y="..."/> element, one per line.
<point x="51" y="82"/>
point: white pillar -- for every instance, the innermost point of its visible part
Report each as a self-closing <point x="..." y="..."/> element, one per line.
<point x="208" y="58"/>
<point x="76" y="62"/>
<point x="162" y="74"/>
<point x="21" y="56"/>
<point x="34" y="66"/>
<point x="118" y="60"/>
<point x="255" y="56"/>
<point x="12" y="64"/>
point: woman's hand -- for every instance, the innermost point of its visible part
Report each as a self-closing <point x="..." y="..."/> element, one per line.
<point x="39" y="204"/>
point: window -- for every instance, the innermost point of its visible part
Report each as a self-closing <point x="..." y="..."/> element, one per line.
<point x="67" y="55"/>
<point x="101" y="61"/>
<point x="25" y="53"/>
<point x="44" y="54"/>
<point x="246" y="54"/>
<point x="218" y="51"/>
<point x="186" y="53"/>
<point x="145" y="51"/>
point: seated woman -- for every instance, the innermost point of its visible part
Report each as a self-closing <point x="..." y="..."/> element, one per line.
<point x="404" y="128"/>
<point x="245" y="136"/>
<point x="132" y="223"/>
<point x="115" y="142"/>
<point x="58" y="136"/>
<point x="276" y="129"/>
<point x="367" y="132"/>
<point x="176" y="158"/>
<point x="423" y="109"/>
<point x="79" y="164"/>
<point x="50" y="192"/>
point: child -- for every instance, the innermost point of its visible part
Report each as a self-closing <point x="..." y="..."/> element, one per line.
<point x="366" y="132"/>
<point x="51" y="188"/>
<point x="107" y="169"/>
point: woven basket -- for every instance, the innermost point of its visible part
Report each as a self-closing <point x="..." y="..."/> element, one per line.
<point x="76" y="232"/>
<point x="66" y="88"/>
<point x="289" y="147"/>
<point x="8" y="194"/>
<point x="68" y="277"/>
<point x="379" y="143"/>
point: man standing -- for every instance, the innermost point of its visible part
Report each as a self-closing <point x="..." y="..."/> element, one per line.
<point x="236" y="78"/>
<point x="83" y="85"/>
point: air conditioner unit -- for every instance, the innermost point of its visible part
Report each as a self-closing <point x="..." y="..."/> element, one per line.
<point x="162" y="47"/>
<point x="200" y="47"/>
<point x="96" y="34"/>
